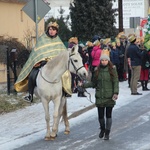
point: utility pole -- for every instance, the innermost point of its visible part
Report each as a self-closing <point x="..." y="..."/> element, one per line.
<point x="120" y="9"/>
<point x="36" y="19"/>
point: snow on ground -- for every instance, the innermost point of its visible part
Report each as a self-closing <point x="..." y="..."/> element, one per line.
<point x="28" y="125"/>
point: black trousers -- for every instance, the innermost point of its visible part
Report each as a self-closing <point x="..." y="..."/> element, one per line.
<point x="32" y="77"/>
<point x="32" y="80"/>
<point x="104" y="111"/>
<point x="121" y="72"/>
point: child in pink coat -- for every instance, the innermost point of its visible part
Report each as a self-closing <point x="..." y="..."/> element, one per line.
<point x="96" y="53"/>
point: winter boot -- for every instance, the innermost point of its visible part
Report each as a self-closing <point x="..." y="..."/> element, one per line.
<point x="106" y="134"/>
<point x="108" y="128"/>
<point x="143" y="85"/>
<point x="102" y="127"/>
<point x="32" y="83"/>
<point x="146" y="89"/>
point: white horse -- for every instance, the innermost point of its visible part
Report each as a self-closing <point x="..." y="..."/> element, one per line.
<point x="49" y="87"/>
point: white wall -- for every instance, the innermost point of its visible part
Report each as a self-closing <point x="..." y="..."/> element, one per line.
<point x="132" y="8"/>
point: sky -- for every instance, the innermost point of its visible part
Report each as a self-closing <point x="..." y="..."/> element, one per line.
<point x="28" y="125"/>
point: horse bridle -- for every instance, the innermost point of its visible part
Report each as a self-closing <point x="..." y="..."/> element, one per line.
<point x="70" y="60"/>
<point x="76" y="73"/>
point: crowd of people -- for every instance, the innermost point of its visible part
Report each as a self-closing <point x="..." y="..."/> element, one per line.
<point x="108" y="62"/>
<point x="125" y="52"/>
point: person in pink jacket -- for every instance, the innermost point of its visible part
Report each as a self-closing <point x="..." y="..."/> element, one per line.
<point x="95" y="54"/>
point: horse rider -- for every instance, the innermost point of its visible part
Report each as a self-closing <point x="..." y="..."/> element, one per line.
<point x="48" y="46"/>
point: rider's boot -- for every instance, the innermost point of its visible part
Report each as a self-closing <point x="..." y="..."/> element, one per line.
<point x="31" y="84"/>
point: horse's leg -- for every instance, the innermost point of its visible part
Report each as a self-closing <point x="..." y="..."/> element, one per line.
<point x="63" y="113"/>
<point x="47" y="118"/>
<point x="65" y="117"/>
<point x="56" y="117"/>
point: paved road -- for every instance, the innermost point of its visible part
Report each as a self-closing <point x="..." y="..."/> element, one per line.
<point x="130" y="131"/>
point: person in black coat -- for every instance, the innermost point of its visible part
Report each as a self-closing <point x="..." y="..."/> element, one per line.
<point x="134" y="55"/>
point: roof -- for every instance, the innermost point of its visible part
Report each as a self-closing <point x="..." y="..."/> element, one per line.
<point x="15" y="1"/>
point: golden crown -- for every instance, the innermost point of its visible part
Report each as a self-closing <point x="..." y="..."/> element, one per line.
<point x="53" y="24"/>
<point x="73" y="40"/>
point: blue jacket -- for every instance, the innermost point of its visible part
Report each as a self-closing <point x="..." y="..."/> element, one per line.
<point x="114" y="56"/>
<point x="135" y="55"/>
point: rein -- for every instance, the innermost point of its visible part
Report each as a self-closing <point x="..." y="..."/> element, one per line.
<point x="46" y="79"/>
<point x="76" y="69"/>
<point x="89" y="99"/>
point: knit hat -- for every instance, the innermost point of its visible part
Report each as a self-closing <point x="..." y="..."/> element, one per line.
<point x="105" y="57"/>
<point x="96" y="37"/>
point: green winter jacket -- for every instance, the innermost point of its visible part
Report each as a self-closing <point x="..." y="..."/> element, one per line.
<point x="106" y="86"/>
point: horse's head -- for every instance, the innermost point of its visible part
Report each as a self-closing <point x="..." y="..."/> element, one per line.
<point x="75" y="63"/>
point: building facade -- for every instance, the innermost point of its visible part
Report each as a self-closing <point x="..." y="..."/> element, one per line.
<point x="16" y="23"/>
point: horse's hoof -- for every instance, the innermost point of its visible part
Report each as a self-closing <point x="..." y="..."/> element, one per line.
<point x="52" y="138"/>
<point x="66" y="132"/>
<point x="47" y="138"/>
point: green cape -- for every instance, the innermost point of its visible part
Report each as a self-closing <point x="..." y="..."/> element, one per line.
<point x="45" y="49"/>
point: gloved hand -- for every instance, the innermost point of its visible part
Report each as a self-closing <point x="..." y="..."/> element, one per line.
<point x="80" y="83"/>
<point x="122" y="55"/>
<point x="115" y="97"/>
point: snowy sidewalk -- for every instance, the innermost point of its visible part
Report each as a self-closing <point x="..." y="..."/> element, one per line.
<point x="26" y="125"/>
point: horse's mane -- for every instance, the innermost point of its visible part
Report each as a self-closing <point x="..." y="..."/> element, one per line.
<point x="59" y="59"/>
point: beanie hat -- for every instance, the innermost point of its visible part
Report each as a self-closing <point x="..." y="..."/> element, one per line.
<point x="104" y="56"/>
<point x="96" y="37"/>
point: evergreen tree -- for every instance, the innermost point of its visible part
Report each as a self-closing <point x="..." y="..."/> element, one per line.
<point x="92" y="17"/>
